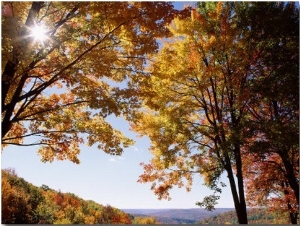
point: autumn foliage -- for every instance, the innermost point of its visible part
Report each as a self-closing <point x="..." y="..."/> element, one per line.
<point x="58" y="92"/>
<point x="220" y="96"/>
<point x="24" y="203"/>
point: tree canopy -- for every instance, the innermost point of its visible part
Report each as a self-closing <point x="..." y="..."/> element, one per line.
<point x="59" y="84"/>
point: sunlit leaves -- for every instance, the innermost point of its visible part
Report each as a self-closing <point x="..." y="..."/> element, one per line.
<point x="61" y="92"/>
<point x="195" y="105"/>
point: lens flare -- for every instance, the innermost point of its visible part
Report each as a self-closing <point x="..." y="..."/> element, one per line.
<point x="39" y="33"/>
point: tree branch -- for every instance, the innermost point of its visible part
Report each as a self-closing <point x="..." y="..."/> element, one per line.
<point x="15" y="119"/>
<point x="37" y="134"/>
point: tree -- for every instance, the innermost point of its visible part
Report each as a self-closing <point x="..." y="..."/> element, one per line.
<point x="196" y="98"/>
<point x="109" y="215"/>
<point x="59" y="87"/>
<point x="213" y="99"/>
<point x="274" y="105"/>
<point x="14" y="204"/>
<point x="44" y="213"/>
<point x="19" y="199"/>
<point x="144" y="220"/>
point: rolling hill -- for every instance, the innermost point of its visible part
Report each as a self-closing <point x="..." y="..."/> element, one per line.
<point x="177" y="216"/>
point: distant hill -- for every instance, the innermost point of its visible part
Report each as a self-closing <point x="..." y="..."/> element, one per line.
<point x="177" y="216"/>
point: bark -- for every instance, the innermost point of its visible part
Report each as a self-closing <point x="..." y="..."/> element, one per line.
<point x="7" y="119"/>
<point x="240" y="207"/>
<point x="240" y="180"/>
<point x="293" y="218"/>
<point x="7" y="78"/>
<point x="290" y="173"/>
<point x="292" y="214"/>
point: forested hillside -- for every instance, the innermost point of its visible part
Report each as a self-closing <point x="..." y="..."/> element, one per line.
<point x="23" y="202"/>
<point x="255" y="216"/>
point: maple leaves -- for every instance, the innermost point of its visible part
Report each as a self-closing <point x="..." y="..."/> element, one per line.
<point x="60" y="89"/>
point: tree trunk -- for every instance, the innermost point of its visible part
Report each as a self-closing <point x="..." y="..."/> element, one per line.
<point x="240" y="207"/>
<point x="290" y="174"/>
<point x="7" y="78"/>
<point x="293" y="218"/>
<point x="240" y="180"/>
<point x="7" y="119"/>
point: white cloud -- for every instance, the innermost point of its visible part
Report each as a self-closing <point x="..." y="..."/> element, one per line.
<point x="117" y="159"/>
<point x="135" y="149"/>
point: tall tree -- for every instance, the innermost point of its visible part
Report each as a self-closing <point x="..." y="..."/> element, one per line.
<point x="60" y="64"/>
<point x="213" y="99"/>
<point x="196" y="100"/>
<point x="274" y="105"/>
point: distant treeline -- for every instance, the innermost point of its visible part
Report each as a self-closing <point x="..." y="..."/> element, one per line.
<point x="24" y="203"/>
<point x="255" y="216"/>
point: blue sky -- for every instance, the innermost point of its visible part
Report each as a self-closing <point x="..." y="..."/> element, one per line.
<point x="103" y="178"/>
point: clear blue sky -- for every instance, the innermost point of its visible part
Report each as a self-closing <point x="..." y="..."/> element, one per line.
<point x="103" y="178"/>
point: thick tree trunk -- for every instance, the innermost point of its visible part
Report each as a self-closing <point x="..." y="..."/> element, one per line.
<point x="240" y="180"/>
<point x="7" y="78"/>
<point x="293" y="218"/>
<point x="240" y="207"/>
<point x="7" y="108"/>
<point x="292" y="214"/>
<point x="290" y="173"/>
<point x="7" y="119"/>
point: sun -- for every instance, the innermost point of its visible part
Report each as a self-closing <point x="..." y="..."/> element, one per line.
<point x="39" y="33"/>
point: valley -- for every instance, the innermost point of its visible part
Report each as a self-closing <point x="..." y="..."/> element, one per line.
<point x="177" y="216"/>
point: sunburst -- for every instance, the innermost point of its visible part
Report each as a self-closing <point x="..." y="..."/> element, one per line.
<point x="39" y="33"/>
